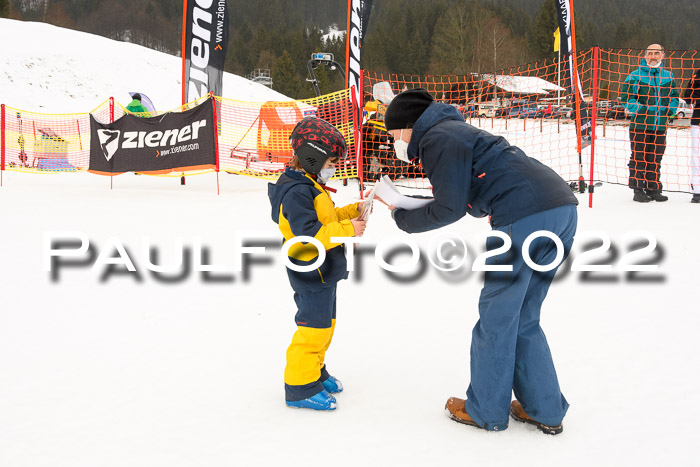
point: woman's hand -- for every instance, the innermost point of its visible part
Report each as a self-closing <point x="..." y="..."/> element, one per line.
<point x="378" y="198"/>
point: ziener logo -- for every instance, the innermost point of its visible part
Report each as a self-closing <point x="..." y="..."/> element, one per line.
<point x="354" y="50"/>
<point x="109" y="142"/>
<point x="199" y="50"/>
<point x="110" y="139"/>
<point x="162" y="139"/>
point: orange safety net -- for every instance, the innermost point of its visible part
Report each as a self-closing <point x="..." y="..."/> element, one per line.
<point x="253" y="137"/>
<point x="643" y="136"/>
<point x="40" y="143"/>
<point x="532" y="107"/>
<point x="523" y="104"/>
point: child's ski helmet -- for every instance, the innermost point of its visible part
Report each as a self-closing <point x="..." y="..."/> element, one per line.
<point x="314" y="141"/>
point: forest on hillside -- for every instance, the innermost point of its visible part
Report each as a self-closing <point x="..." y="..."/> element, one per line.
<point x="415" y="37"/>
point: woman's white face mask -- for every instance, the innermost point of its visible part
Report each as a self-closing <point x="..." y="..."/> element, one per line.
<point x="401" y="148"/>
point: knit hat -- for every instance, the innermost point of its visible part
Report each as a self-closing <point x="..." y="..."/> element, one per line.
<point x="406" y="109"/>
<point x="314" y="141"/>
<point x="136" y="96"/>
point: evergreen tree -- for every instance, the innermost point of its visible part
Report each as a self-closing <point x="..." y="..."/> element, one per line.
<point x="542" y="34"/>
<point x="469" y="37"/>
<point x="285" y="78"/>
<point x="407" y="35"/>
<point x="337" y="48"/>
<point x="404" y="36"/>
<point x="513" y="16"/>
<point x="374" y="51"/>
<point x="171" y="9"/>
<point x="324" y="82"/>
<point x="452" y="43"/>
<point x="260" y="43"/>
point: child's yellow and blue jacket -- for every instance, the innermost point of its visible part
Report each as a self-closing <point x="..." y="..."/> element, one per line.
<point x="301" y="206"/>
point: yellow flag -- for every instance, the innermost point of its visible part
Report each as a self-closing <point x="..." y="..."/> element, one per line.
<point x="556" y="40"/>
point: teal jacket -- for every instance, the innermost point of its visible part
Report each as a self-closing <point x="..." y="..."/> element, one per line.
<point x="135" y="107"/>
<point x="650" y="94"/>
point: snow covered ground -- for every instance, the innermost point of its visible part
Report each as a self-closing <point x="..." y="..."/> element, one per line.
<point x="45" y="68"/>
<point x="102" y="367"/>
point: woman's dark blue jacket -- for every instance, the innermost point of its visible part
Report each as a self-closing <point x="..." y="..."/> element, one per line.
<point x="474" y="172"/>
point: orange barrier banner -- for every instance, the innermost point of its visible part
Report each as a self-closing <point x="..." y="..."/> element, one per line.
<point x="532" y="108"/>
<point x="252" y="137"/>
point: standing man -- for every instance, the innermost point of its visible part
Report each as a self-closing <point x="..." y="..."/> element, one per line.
<point x="650" y="94"/>
<point x="474" y="172"/>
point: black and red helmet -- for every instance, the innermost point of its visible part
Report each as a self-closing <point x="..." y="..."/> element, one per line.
<point x="314" y="141"/>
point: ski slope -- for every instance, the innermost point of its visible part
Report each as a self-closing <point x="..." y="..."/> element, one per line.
<point x="108" y="368"/>
<point x="44" y="68"/>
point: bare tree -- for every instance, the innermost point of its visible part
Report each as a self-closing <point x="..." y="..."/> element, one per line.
<point x="462" y="41"/>
<point x="504" y="49"/>
<point x="479" y="17"/>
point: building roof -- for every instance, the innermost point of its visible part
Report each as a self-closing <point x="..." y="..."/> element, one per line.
<point x="522" y="84"/>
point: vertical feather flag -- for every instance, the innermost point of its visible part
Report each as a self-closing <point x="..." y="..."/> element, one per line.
<point x="583" y="114"/>
<point x="358" y="18"/>
<point x="204" y="42"/>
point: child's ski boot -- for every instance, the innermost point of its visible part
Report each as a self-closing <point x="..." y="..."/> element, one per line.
<point x="321" y="401"/>
<point x="333" y="385"/>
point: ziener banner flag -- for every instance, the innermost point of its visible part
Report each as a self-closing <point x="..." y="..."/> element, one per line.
<point x="204" y="42"/>
<point x="566" y="44"/>
<point x="358" y="18"/>
<point x="564" y="29"/>
<point x="156" y="145"/>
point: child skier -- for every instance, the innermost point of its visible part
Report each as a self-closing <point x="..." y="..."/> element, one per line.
<point x="302" y="206"/>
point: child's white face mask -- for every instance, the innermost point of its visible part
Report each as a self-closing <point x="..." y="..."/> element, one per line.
<point x="401" y="148"/>
<point x="325" y="174"/>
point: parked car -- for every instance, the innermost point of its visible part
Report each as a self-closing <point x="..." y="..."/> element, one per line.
<point x="684" y="109"/>
<point x="525" y="110"/>
<point x="561" y="112"/>
<point x="502" y="111"/>
<point x="616" y="112"/>
<point x="487" y="110"/>
<point x="604" y="106"/>
<point x="467" y="111"/>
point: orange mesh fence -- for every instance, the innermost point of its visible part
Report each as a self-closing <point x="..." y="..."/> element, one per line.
<point x="632" y="105"/>
<point x="531" y="106"/>
<point x="523" y="104"/>
<point x="253" y="137"/>
<point x="39" y="143"/>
